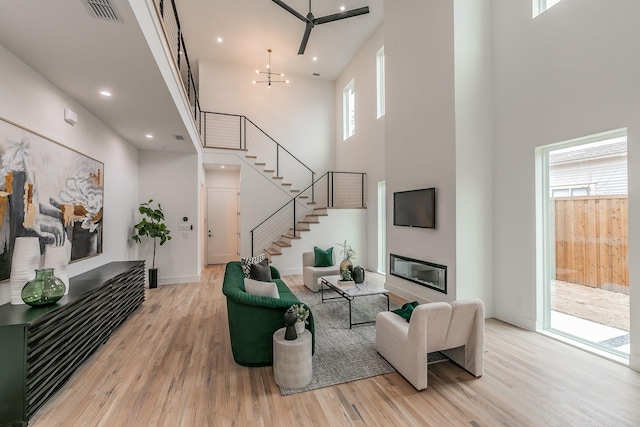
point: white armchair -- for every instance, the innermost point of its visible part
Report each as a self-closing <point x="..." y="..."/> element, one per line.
<point x="456" y="330"/>
<point x="311" y="274"/>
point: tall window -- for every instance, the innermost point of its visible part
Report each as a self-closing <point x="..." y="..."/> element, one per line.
<point x="349" y="110"/>
<point x="380" y="80"/>
<point x="583" y="205"/>
<point x="540" y="6"/>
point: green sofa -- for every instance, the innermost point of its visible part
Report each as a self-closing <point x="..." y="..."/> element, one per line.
<point x="253" y="319"/>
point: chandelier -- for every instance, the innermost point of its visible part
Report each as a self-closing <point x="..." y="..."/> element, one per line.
<point x="269" y="73"/>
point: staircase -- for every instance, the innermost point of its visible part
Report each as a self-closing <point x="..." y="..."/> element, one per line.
<point x="310" y="197"/>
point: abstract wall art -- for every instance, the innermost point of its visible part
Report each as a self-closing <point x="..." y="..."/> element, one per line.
<point x="47" y="191"/>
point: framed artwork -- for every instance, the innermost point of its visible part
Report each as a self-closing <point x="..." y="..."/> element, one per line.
<point x="47" y="191"/>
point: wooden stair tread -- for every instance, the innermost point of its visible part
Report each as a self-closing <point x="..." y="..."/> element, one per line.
<point x="260" y="163"/>
<point x="282" y="244"/>
<point x="286" y="184"/>
<point x="272" y="251"/>
<point x="278" y="177"/>
<point x="250" y="156"/>
<point x="291" y="236"/>
<point x="269" y="170"/>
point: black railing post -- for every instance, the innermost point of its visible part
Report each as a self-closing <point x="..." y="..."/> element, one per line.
<point x="278" y="162"/>
<point x="294" y="218"/>
<point x="313" y="180"/>
<point x="252" y="243"/>
<point x="240" y="133"/>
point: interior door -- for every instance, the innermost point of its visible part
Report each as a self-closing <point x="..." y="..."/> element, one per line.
<point x="222" y="225"/>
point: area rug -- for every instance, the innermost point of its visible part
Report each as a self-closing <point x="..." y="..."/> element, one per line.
<point x="342" y="354"/>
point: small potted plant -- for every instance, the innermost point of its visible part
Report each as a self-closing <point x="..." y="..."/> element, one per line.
<point x="302" y="315"/>
<point x="347" y="253"/>
<point x="152" y="225"/>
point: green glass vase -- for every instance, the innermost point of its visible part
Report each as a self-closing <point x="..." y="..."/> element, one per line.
<point x="44" y="289"/>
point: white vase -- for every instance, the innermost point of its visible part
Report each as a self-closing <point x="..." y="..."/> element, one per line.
<point x="299" y="327"/>
<point x="25" y="260"/>
<point x="57" y="257"/>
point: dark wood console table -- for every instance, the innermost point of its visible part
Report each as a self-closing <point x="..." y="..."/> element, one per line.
<point x="40" y="348"/>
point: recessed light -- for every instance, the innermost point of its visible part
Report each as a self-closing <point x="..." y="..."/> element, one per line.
<point x="315" y="58"/>
<point x="219" y="39"/>
<point x="222" y="167"/>
<point x="105" y="93"/>
<point x="149" y="136"/>
<point x="342" y="8"/>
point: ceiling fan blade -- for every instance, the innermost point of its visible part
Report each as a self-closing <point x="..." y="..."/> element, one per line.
<point x="290" y="10"/>
<point x="341" y="15"/>
<point x="305" y="38"/>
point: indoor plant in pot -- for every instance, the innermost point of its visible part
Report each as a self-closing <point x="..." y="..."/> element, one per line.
<point x="302" y="314"/>
<point x="152" y="225"/>
<point x="347" y="253"/>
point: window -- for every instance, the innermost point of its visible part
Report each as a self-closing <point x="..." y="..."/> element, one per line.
<point x="349" y="110"/>
<point x="583" y="240"/>
<point x="380" y="80"/>
<point x="540" y="6"/>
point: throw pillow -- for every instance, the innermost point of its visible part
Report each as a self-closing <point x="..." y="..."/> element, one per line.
<point x="322" y="258"/>
<point x="264" y="289"/>
<point x="246" y="263"/>
<point x="260" y="271"/>
<point x="406" y="310"/>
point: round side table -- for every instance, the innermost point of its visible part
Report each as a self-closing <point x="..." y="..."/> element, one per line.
<point x="292" y="360"/>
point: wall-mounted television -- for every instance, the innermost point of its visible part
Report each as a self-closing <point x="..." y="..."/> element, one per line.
<point x="415" y="208"/>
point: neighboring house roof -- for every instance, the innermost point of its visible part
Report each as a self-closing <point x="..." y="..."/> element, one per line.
<point x="591" y="153"/>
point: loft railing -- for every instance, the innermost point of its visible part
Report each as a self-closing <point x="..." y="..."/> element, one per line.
<point x="173" y="32"/>
<point x="237" y="132"/>
<point x="331" y="190"/>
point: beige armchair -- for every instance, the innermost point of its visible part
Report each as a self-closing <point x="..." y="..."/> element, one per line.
<point x="311" y="274"/>
<point x="455" y="329"/>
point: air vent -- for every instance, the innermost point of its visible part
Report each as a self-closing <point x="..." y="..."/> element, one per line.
<point x="102" y="9"/>
<point x="179" y="137"/>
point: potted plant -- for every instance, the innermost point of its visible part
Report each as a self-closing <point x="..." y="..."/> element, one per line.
<point x="152" y="225"/>
<point x="302" y="314"/>
<point x="347" y="253"/>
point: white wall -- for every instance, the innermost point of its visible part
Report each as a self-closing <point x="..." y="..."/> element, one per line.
<point x="570" y="72"/>
<point x="298" y="115"/>
<point x="364" y="151"/>
<point x="474" y="151"/>
<point x="30" y="100"/>
<point x="420" y="132"/>
<point x="173" y="179"/>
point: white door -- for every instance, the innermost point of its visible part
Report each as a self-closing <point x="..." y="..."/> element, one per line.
<point x="222" y="225"/>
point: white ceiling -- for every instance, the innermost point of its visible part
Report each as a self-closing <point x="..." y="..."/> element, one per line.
<point x="82" y="54"/>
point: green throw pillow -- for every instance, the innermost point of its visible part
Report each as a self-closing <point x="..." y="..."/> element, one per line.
<point x="322" y="258"/>
<point x="406" y="310"/>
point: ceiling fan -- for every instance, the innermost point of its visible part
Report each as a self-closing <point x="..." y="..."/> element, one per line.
<point x="312" y="21"/>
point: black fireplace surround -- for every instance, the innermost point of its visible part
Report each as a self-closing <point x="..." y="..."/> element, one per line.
<point x="424" y="273"/>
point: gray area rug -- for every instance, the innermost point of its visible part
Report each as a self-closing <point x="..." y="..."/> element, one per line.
<point x="343" y="354"/>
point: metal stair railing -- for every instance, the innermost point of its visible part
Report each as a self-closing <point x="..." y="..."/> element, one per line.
<point x="173" y="34"/>
<point x="331" y="190"/>
<point x="236" y="132"/>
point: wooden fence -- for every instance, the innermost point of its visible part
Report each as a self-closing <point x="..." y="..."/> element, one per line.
<point x="592" y="241"/>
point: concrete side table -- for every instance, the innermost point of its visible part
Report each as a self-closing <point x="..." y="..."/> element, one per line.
<point x="292" y="360"/>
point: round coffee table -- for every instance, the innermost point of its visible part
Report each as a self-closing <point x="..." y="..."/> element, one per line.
<point x="292" y="360"/>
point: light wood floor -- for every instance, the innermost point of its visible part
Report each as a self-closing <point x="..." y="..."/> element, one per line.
<point x="170" y="364"/>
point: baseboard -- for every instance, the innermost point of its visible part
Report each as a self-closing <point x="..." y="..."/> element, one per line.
<point x="290" y="271"/>
<point x="178" y="279"/>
